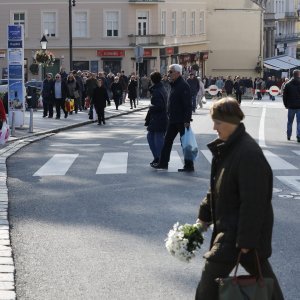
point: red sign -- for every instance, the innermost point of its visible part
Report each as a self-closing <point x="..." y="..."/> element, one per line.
<point x="111" y="53"/>
<point x="170" y="51"/>
<point x="147" y="52"/>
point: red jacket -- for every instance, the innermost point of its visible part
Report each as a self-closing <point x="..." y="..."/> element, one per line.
<point x="2" y="111"/>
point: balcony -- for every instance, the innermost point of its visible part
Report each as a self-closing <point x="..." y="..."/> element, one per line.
<point x="292" y="37"/>
<point x="146" y="40"/>
<point x="146" y="1"/>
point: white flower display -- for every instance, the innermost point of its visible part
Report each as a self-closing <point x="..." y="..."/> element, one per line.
<point x="183" y="241"/>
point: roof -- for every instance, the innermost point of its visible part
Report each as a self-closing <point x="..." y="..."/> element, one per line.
<point x="282" y="62"/>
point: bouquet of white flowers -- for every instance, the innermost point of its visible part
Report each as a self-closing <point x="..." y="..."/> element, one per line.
<point x="184" y="240"/>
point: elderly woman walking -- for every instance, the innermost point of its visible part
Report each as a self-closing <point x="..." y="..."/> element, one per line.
<point x="238" y="202"/>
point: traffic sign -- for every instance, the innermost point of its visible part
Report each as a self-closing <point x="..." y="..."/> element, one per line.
<point x="274" y="90"/>
<point x="213" y="90"/>
<point x="139" y="53"/>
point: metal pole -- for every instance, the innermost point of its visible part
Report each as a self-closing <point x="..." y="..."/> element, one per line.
<point x="70" y="36"/>
<point x="13" y="129"/>
<point x="31" y="121"/>
<point x="138" y="84"/>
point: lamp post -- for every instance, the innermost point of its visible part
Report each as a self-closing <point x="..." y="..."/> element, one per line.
<point x="44" y="43"/>
<point x="71" y="3"/>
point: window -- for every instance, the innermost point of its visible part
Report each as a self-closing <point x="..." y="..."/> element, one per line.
<point x="18" y="18"/>
<point x="112" y="23"/>
<point x="80" y="24"/>
<point x="202" y="23"/>
<point x="174" y="29"/>
<point x="142" y="19"/>
<point x="49" y="23"/>
<point x="193" y="23"/>
<point x="163" y="29"/>
<point x="183" y="23"/>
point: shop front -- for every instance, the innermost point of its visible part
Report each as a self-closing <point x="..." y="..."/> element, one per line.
<point x="111" y="60"/>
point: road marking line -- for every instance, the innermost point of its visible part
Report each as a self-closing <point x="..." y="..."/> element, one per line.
<point x="146" y="144"/>
<point x="275" y="161"/>
<point x="113" y="163"/>
<point x="278" y="163"/>
<point x="57" y="165"/>
<point x="261" y="133"/>
<point x="175" y="162"/>
<point x="74" y="145"/>
<point x="291" y="181"/>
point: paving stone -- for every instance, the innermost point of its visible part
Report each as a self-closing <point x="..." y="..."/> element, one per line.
<point x="6" y="260"/>
<point x="7" y="295"/>
<point x="6" y="277"/>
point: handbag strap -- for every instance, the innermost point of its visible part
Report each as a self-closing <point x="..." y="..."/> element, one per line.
<point x="260" y="278"/>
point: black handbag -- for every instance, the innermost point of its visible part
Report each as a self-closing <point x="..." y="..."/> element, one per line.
<point x="245" y="287"/>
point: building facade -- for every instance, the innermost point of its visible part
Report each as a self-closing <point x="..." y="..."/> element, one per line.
<point x="105" y="33"/>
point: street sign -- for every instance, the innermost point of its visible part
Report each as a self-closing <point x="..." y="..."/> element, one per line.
<point x="274" y="90"/>
<point x="213" y="90"/>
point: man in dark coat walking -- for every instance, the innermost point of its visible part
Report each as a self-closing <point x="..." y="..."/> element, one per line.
<point x="179" y="112"/>
<point x="291" y="101"/>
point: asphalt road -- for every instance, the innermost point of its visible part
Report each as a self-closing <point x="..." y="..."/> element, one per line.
<point x="84" y="235"/>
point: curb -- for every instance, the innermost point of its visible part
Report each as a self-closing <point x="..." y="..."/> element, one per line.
<point x="7" y="266"/>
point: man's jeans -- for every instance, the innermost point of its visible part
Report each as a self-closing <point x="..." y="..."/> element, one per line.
<point x="194" y="102"/>
<point x="156" y="142"/>
<point x="291" y="115"/>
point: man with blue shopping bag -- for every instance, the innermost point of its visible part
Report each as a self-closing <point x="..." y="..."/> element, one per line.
<point x="180" y="113"/>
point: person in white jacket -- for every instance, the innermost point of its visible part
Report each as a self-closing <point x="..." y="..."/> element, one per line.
<point x="201" y="93"/>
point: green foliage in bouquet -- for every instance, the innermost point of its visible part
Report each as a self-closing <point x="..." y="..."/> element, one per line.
<point x="44" y="57"/>
<point x="194" y="235"/>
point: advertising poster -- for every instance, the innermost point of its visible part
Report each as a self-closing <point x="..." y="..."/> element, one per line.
<point x="16" y="92"/>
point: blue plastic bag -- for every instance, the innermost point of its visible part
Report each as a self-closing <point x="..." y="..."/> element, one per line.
<point x="189" y="145"/>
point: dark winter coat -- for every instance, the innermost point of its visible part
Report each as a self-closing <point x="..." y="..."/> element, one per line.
<point x="291" y="94"/>
<point x="47" y="91"/>
<point x="117" y="90"/>
<point x="100" y="97"/>
<point x="180" y="102"/>
<point x="194" y="85"/>
<point x="132" y="89"/>
<point x="157" y="114"/>
<point x="228" y="86"/>
<point x="239" y="201"/>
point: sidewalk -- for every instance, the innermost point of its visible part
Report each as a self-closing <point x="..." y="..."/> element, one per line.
<point x="42" y="127"/>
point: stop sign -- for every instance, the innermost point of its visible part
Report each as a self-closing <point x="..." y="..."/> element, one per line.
<point x="274" y="90"/>
<point x="213" y="90"/>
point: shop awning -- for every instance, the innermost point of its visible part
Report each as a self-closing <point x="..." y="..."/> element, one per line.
<point x="283" y="62"/>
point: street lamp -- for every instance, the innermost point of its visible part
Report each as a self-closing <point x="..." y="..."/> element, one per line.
<point x="44" y="43"/>
<point x="71" y="3"/>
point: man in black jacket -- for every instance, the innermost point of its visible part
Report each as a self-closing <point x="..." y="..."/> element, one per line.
<point x="291" y="100"/>
<point x="179" y="112"/>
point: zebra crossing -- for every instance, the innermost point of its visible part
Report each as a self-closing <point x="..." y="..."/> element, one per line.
<point x="117" y="163"/>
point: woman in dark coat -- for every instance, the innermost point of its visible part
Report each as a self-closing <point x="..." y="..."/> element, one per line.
<point x="238" y="203"/>
<point x="100" y="97"/>
<point x="157" y="119"/>
<point x="132" y="91"/>
<point x="117" y="91"/>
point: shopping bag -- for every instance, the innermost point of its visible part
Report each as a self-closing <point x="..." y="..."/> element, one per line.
<point x="4" y="133"/>
<point x="245" y="286"/>
<point x="69" y="105"/>
<point x="189" y="145"/>
<point x="87" y="102"/>
<point x="95" y="116"/>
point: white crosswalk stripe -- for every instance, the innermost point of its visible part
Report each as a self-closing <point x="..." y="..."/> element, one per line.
<point x="113" y="163"/>
<point x="117" y="163"/>
<point x="276" y="162"/>
<point x="57" y="165"/>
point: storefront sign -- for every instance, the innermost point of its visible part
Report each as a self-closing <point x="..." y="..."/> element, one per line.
<point x="114" y="53"/>
<point x="147" y="52"/>
<point x="170" y="51"/>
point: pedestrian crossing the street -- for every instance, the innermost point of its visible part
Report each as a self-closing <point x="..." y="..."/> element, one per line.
<point x="117" y="163"/>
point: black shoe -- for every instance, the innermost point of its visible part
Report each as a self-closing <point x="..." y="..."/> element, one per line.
<point x="288" y="138"/>
<point x="99" y="123"/>
<point x="103" y="123"/>
<point x="57" y="118"/>
<point x="190" y="169"/>
<point x="159" y="166"/>
<point x="155" y="161"/>
<point x="298" y="139"/>
<point x="131" y="107"/>
<point x="50" y="117"/>
<point x="44" y="116"/>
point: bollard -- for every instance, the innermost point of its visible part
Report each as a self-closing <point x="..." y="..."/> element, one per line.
<point x="13" y="130"/>
<point x="31" y="121"/>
